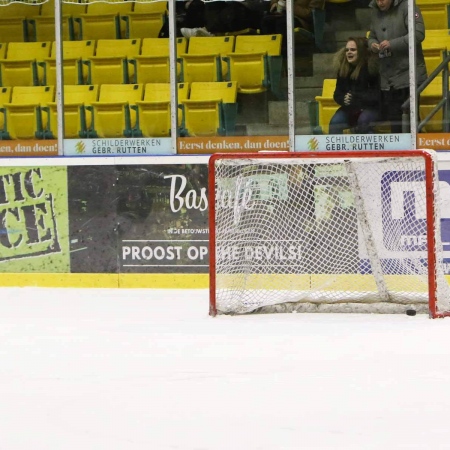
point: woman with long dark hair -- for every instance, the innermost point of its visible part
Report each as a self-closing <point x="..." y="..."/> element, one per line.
<point x="357" y="88"/>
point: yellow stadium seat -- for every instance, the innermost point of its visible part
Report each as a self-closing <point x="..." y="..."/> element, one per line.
<point x="256" y="64"/>
<point x="202" y="62"/>
<point x="429" y="98"/>
<point x="211" y="109"/>
<point x="5" y="97"/>
<point x="73" y="8"/>
<point x="3" y="47"/>
<point x="435" y="43"/>
<point x="74" y="11"/>
<point x="42" y="27"/>
<point x="111" y="114"/>
<point x="13" y="29"/>
<point x="225" y="90"/>
<point x="435" y="15"/>
<point x="146" y="20"/>
<point x="102" y="20"/>
<point x="76" y="121"/>
<point x="48" y="8"/>
<point x="13" y="21"/>
<point x="437" y="36"/>
<point x="202" y="117"/>
<point x="19" y="9"/>
<point x="73" y="53"/>
<point x="326" y="106"/>
<point x="22" y="116"/>
<point x="154" y="110"/>
<point x="109" y="65"/>
<point x="433" y="56"/>
<point x="20" y="68"/>
<point x="152" y="64"/>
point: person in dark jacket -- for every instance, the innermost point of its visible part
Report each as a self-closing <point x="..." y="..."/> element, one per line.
<point x="219" y="18"/>
<point x="388" y="38"/>
<point x="357" y="88"/>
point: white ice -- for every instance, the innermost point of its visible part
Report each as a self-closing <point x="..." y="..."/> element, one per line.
<point x="150" y="370"/>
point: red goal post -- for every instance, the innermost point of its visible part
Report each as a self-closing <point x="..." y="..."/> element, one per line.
<point x="326" y="232"/>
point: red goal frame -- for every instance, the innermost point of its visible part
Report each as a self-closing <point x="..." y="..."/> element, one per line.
<point x="430" y="208"/>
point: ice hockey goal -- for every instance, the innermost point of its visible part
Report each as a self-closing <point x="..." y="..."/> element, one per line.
<point x="326" y="232"/>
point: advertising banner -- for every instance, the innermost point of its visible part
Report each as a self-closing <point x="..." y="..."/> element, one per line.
<point x="33" y="219"/>
<point x="398" y="218"/>
<point x="351" y="142"/>
<point x="224" y="144"/>
<point x="164" y="219"/>
<point x="146" y="218"/>
<point x="117" y="147"/>
<point x="28" y="148"/>
<point x="434" y="141"/>
<point x="139" y="219"/>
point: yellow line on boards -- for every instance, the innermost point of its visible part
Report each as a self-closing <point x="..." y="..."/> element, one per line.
<point x="99" y="280"/>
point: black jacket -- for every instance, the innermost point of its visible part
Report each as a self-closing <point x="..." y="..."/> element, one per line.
<point x="365" y="90"/>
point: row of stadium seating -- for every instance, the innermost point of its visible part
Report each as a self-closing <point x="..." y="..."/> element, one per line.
<point x="435" y="14"/>
<point x="254" y="62"/>
<point x="123" y="110"/>
<point x="100" y="20"/>
<point x="123" y="20"/>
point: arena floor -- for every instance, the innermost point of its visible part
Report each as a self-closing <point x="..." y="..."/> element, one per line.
<point x="150" y="370"/>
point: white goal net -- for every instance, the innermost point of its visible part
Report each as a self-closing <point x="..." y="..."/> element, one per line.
<point x="326" y="232"/>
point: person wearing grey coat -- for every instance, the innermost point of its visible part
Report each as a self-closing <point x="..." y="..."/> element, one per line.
<point x="388" y="37"/>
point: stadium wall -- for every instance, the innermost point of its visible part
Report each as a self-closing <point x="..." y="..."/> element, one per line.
<point x="116" y="221"/>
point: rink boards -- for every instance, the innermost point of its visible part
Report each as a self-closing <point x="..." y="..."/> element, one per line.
<point x="116" y="222"/>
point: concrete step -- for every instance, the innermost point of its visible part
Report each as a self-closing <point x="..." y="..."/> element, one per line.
<point x="340" y="16"/>
<point x="264" y="129"/>
<point x="253" y="108"/>
<point x="306" y="94"/>
<point x="278" y="113"/>
<point x="306" y="85"/>
<point x="305" y="82"/>
<point x="342" y="36"/>
<point x="323" y="65"/>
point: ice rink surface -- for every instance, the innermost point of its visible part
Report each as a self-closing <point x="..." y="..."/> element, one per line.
<point x="150" y="370"/>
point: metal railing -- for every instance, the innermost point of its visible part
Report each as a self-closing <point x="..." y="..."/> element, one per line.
<point x="443" y="104"/>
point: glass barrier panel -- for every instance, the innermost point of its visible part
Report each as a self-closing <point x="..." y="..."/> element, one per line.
<point x="434" y="112"/>
<point x="234" y="67"/>
<point x="116" y="78"/>
<point x="355" y="95"/>
<point x="23" y="125"/>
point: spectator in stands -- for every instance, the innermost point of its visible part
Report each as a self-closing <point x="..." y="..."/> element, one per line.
<point x="219" y="18"/>
<point x="357" y="88"/>
<point x="274" y="22"/>
<point x="388" y="38"/>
